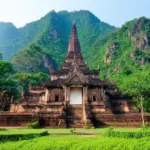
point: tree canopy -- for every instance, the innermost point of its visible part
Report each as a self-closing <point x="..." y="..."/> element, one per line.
<point x="12" y="83"/>
<point x="33" y="60"/>
<point x="27" y="79"/>
<point x="8" y="86"/>
<point x="137" y="85"/>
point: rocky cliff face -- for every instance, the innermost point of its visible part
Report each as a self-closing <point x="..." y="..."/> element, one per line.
<point x="138" y="36"/>
<point x="125" y="50"/>
<point x="140" y="42"/>
<point x="139" y="39"/>
<point x="109" y="53"/>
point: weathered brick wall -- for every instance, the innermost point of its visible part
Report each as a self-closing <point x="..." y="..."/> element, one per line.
<point x="126" y="120"/>
<point x="94" y="94"/>
<point x="16" y="108"/>
<point x="12" y="119"/>
<point x="56" y="92"/>
<point x="59" y="120"/>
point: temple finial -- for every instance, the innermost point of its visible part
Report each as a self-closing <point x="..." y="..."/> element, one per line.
<point x="74" y="45"/>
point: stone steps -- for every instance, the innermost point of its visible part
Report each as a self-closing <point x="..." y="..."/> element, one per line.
<point x="76" y="110"/>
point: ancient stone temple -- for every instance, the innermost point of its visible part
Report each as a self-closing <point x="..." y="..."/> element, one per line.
<point x="73" y="97"/>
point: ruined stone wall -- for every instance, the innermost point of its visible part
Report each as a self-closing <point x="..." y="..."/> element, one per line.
<point x="16" y="119"/>
<point x="96" y="102"/>
<point x="16" y="108"/>
<point x="56" y="95"/>
<point x="122" y="105"/>
<point x="120" y="120"/>
<point x="94" y="95"/>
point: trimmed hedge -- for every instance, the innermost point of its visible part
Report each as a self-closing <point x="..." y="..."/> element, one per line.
<point x="18" y="137"/>
<point x="111" y="133"/>
<point x="2" y="129"/>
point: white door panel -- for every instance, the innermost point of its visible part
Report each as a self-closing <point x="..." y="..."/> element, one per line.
<point x="76" y="96"/>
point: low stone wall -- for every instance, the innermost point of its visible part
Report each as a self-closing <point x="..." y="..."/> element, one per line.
<point x="14" y="119"/>
<point x="58" y="121"/>
<point x="121" y="120"/>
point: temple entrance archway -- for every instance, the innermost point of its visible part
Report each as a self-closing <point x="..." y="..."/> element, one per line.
<point x="76" y="95"/>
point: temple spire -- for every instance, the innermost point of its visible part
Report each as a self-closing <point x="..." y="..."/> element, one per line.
<point x="74" y="45"/>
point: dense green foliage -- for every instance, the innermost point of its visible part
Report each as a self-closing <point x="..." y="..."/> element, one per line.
<point x="26" y="80"/>
<point x="6" y="68"/>
<point x="8" y="86"/>
<point x="12" y="84"/>
<point x="33" y="60"/>
<point x="52" y="33"/>
<point x="3" y="129"/>
<point x="118" y="46"/>
<point x="74" y="142"/>
<point x="34" y="125"/>
<point x="18" y="137"/>
<point x="137" y="85"/>
<point x="56" y="140"/>
<point x="140" y="134"/>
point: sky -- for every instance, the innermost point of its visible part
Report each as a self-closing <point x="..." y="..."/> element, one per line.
<point x="114" y="12"/>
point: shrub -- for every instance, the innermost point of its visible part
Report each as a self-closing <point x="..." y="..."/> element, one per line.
<point x="86" y="127"/>
<point x="44" y="133"/>
<point x="2" y="129"/>
<point x="73" y="130"/>
<point x="111" y="133"/>
<point x="34" y="125"/>
<point x="110" y="129"/>
<point x="18" y="137"/>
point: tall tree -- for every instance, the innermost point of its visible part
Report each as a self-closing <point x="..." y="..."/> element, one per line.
<point x="138" y="86"/>
<point x="26" y="80"/>
<point x="8" y="86"/>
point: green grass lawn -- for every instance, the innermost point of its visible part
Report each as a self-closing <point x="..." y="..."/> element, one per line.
<point x="80" y="130"/>
<point x="54" y="141"/>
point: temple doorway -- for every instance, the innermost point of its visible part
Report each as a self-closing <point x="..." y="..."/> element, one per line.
<point x="76" y="95"/>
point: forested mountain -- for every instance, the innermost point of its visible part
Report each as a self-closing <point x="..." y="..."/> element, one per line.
<point x="123" y="51"/>
<point x="115" y="51"/>
<point x="52" y="33"/>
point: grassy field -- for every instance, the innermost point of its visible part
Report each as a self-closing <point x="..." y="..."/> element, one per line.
<point x="53" y="131"/>
<point x="74" y="142"/>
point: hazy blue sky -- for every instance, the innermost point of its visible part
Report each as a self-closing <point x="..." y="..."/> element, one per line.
<point x="114" y="12"/>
